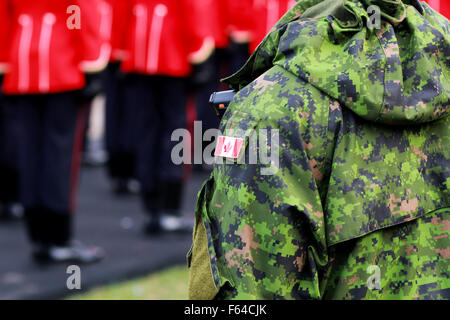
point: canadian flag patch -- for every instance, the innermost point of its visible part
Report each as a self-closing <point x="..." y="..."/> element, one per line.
<point x="228" y="147"/>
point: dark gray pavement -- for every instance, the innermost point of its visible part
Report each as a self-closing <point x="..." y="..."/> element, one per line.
<point x="115" y="223"/>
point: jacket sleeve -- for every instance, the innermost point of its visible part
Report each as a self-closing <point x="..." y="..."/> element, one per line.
<point x="263" y="216"/>
<point x="95" y="35"/>
<point x="199" y="23"/>
<point x="240" y="20"/>
<point x="120" y="21"/>
<point x="5" y="30"/>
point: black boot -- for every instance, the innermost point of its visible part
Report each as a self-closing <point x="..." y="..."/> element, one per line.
<point x="119" y="183"/>
<point x="33" y="225"/>
<point x="121" y="168"/>
<point x="163" y="207"/>
<point x="171" y="218"/>
<point x="51" y="233"/>
<point x="11" y="212"/>
<point x="72" y="252"/>
<point x="151" y="203"/>
<point x="9" y="194"/>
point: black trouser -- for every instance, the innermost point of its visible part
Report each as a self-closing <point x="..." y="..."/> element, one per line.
<point x="9" y="136"/>
<point x="52" y="128"/>
<point x="160" y="104"/>
<point x="120" y="123"/>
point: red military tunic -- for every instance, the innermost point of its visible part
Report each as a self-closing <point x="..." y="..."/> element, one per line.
<point x="42" y="52"/>
<point x="161" y="38"/>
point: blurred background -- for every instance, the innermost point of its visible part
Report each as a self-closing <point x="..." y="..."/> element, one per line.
<point x="92" y="91"/>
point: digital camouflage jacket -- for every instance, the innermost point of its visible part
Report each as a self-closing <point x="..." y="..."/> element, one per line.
<point x="358" y="206"/>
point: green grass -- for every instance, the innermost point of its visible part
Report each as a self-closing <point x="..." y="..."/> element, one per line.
<point x="169" y="284"/>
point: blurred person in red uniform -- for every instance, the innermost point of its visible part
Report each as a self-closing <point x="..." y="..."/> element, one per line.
<point x="162" y="45"/>
<point x="442" y="6"/>
<point x="120" y="120"/>
<point x="266" y="15"/>
<point x="53" y="49"/>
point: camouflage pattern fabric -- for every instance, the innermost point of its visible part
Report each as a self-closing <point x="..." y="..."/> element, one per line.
<point x="363" y="177"/>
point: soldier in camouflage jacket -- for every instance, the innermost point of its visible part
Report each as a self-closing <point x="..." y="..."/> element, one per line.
<point x="358" y="206"/>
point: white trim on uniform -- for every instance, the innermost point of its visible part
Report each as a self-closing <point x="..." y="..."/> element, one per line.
<point x="159" y="13"/>
<point x="48" y="20"/>
<point x="26" y="23"/>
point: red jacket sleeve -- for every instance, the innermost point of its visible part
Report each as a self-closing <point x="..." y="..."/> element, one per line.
<point x="240" y="19"/>
<point x="5" y="30"/>
<point x="95" y="34"/>
<point x="120" y="21"/>
<point x="200" y="21"/>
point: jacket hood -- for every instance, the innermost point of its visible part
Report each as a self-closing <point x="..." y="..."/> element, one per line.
<point x="397" y="72"/>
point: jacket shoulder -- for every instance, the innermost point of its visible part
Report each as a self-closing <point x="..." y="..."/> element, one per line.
<point x="278" y="95"/>
<point x="307" y="119"/>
